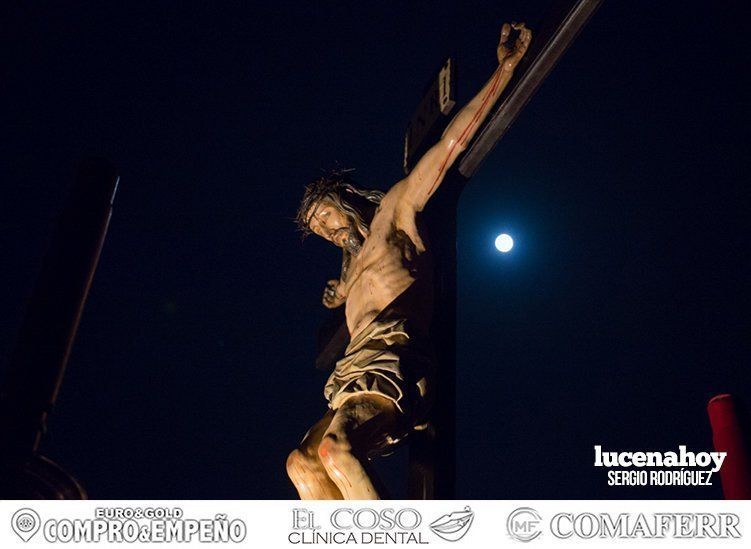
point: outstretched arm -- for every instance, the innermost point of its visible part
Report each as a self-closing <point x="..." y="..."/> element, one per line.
<point x="429" y="172"/>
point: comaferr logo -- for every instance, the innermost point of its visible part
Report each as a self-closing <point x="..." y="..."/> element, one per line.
<point x="523" y="524"/>
<point x="453" y="526"/>
<point x="656" y="525"/>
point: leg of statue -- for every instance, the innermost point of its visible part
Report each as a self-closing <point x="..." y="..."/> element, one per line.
<point x="359" y="426"/>
<point x="305" y="469"/>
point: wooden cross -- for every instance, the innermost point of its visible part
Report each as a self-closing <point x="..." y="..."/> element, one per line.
<point x="432" y="452"/>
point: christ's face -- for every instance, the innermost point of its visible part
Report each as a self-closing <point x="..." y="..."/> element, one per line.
<point x="327" y="220"/>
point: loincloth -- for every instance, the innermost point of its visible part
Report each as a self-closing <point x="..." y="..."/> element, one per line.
<point x="383" y="359"/>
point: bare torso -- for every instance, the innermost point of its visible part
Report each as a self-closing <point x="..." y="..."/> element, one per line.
<point x="388" y="264"/>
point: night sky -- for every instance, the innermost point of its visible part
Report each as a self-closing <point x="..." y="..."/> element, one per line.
<point x="619" y="313"/>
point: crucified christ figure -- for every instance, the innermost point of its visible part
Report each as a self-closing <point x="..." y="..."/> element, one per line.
<point x="382" y="387"/>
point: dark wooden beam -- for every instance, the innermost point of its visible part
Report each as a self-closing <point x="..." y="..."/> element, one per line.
<point x="559" y="28"/>
<point x="31" y="384"/>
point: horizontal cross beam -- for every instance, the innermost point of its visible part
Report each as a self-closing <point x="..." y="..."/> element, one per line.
<point x="558" y="30"/>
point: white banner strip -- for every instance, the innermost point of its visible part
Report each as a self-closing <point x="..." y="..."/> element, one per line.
<point x="471" y="523"/>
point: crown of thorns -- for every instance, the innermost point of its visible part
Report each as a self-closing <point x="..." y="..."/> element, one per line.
<point x="332" y="186"/>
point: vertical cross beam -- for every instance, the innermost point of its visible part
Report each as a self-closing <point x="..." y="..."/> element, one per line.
<point x="432" y="451"/>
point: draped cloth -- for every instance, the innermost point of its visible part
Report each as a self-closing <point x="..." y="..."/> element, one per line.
<point x="384" y="359"/>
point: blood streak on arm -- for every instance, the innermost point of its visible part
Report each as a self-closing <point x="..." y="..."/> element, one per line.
<point x="469" y="126"/>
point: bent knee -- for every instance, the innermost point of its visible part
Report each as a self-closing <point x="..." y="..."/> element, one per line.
<point x="333" y="449"/>
<point x="294" y="460"/>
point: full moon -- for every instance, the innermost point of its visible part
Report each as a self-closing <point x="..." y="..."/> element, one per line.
<point x="504" y="243"/>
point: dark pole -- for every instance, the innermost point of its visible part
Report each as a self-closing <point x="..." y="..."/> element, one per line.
<point x="31" y="384"/>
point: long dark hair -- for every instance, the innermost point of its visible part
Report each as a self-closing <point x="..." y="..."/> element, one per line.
<point x="356" y="202"/>
<point x="337" y="186"/>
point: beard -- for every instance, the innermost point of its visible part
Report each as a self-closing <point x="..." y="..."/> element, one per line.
<point x="353" y="242"/>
